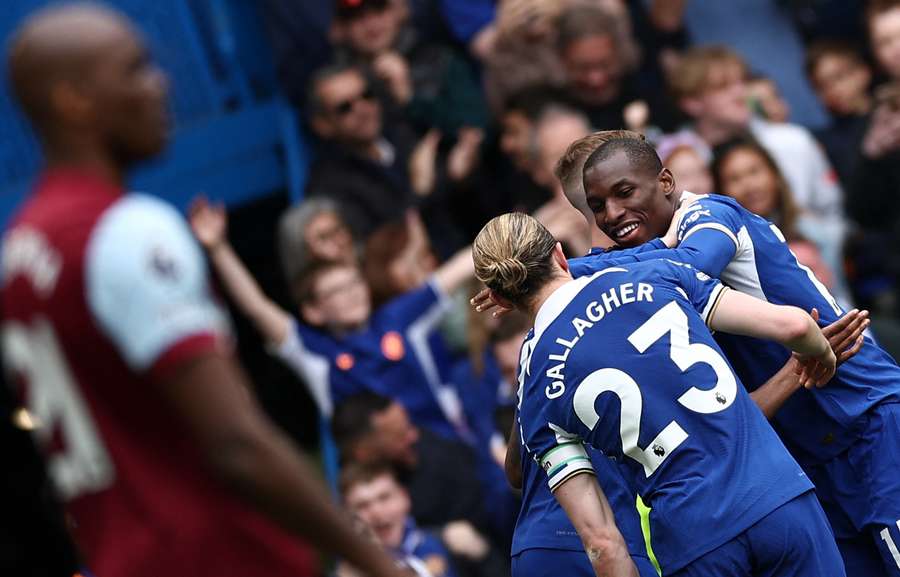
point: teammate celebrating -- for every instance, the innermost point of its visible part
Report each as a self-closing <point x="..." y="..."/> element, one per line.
<point x="713" y="511"/>
<point x="846" y="435"/>
<point x="108" y="324"/>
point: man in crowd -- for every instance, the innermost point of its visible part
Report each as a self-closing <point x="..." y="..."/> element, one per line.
<point x="166" y="464"/>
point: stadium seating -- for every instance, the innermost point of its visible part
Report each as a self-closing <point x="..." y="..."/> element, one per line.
<point x="234" y="139"/>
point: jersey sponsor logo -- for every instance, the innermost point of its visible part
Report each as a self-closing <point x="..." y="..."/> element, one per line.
<point x="392" y="346"/>
<point x="345" y="361"/>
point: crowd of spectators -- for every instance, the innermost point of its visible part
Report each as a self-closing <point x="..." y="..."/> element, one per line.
<point x="429" y="118"/>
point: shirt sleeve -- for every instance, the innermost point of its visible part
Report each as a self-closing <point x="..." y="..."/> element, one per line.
<point x="707" y="239"/>
<point x="312" y="368"/>
<point x="426" y="300"/>
<point x="588" y="265"/>
<point x="701" y="290"/>
<point x="146" y="285"/>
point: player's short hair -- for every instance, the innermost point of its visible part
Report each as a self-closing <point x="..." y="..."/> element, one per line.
<point x="640" y="153"/>
<point x="690" y="77"/>
<point x="822" y="49"/>
<point x="570" y="166"/>
<point x="353" y="474"/>
<point x="513" y="254"/>
<point x="352" y="419"/>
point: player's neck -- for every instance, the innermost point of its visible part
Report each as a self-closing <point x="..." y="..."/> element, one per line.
<point x="544" y="293"/>
<point x="91" y="159"/>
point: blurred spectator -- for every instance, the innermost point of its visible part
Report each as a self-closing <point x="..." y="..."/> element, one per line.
<point x="370" y="429"/>
<point x="766" y="99"/>
<point x="344" y="346"/>
<point x="710" y="86"/>
<point x="841" y="78"/>
<point x="688" y="158"/>
<point x="433" y="87"/>
<point x="375" y="496"/>
<point x="883" y="22"/>
<point x="745" y="171"/>
<point x="313" y="230"/>
<point x="597" y="59"/>
<point x="764" y="33"/>
<point x="873" y="200"/>
<point x="377" y="171"/>
<point x="360" y="164"/>
<point x="558" y="127"/>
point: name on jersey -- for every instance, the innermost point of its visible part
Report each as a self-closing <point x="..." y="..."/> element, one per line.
<point x="595" y="312"/>
<point x="26" y="252"/>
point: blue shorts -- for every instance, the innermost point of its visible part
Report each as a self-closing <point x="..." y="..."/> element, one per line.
<point x="860" y="491"/>
<point x="556" y="562"/>
<point x="794" y="540"/>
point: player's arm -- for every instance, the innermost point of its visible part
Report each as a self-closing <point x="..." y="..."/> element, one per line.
<point x="739" y="313"/>
<point x="209" y="224"/>
<point x="252" y="457"/>
<point x="512" y="465"/>
<point x="845" y="336"/>
<point x="593" y="519"/>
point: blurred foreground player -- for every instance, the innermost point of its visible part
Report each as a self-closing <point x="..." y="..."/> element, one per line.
<point x="150" y="431"/>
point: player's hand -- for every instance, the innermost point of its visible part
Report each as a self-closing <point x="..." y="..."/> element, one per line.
<point x="484" y="302"/>
<point x="209" y="223"/>
<point x="845" y="335"/>
<point x="670" y="239"/>
<point x="816" y="370"/>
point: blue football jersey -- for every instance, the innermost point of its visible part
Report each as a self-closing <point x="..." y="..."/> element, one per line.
<point x="748" y="253"/>
<point x="392" y="355"/>
<point x="543" y="524"/>
<point x="623" y="361"/>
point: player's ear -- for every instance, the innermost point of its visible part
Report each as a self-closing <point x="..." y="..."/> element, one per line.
<point x="70" y="104"/>
<point x="559" y="255"/>
<point x="500" y="301"/>
<point x="666" y="181"/>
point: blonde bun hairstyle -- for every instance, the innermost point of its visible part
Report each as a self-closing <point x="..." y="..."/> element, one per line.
<point x="513" y="256"/>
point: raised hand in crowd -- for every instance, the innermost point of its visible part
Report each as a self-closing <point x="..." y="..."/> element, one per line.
<point x="422" y="163"/>
<point x="393" y="70"/>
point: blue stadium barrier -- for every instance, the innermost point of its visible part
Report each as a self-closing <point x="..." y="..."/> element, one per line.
<point x="227" y="143"/>
<point x="233" y="158"/>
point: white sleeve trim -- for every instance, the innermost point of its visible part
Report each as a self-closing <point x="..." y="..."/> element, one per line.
<point x="146" y="282"/>
<point x="712" y="303"/>
<point x="312" y="368"/>
<point x="564" y="461"/>
<point x="714" y="226"/>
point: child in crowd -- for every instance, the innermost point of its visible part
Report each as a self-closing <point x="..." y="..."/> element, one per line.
<point x="375" y="496"/>
<point x="841" y="78"/>
<point x="343" y="346"/>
